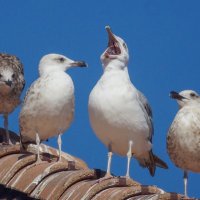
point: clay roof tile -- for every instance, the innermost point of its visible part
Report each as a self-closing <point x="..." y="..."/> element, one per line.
<point x="22" y="178"/>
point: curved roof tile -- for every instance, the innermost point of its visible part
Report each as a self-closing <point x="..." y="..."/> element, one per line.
<point x="70" y="179"/>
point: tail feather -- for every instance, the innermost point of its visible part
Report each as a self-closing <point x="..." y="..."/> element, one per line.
<point x="152" y="162"/>
<point x="160" y="163"/>
<point x="23" y="146"/>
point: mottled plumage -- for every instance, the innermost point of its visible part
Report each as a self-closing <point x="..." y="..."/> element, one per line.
<point x="183" y="139"/>
<point x="11" y="86"/>
<point x="48" y="107"/>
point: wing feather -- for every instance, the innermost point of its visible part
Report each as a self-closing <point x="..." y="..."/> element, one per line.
<point x="148" y="112"/>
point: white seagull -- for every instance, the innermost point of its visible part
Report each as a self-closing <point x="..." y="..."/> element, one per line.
<point x="11" y="86"/>
<point x="48" y="107"/>
<point x="183" y="139"/>
<point x="120" y="114"/>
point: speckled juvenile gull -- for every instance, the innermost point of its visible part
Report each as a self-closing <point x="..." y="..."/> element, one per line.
<point x="48" y="107"/>
<point x="183" y="139"/>
<point x="11" y="86"/>
<point x="119" y="113"/>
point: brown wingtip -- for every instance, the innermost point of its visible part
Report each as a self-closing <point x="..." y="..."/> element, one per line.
<point x="151" y="165"/>
<point x="159" y="163"/>
<point x="153" y="162"/>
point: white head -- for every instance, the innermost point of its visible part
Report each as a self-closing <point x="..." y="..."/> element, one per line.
<point x="56" y="62"/>
<point x="7" y="80"/>
<point x="116" y="55"/>
<point x="185" y="97"/>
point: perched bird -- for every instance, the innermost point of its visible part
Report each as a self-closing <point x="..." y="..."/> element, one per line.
<point x="183" y="139"/>
<point x="11" y="86"/>
<point x="119" y="113"/>
<point x="48" y="107"/>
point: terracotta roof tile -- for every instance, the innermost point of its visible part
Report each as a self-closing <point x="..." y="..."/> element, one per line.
<point x="22" y="178"/>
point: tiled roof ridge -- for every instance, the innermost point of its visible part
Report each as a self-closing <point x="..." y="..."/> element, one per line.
<point x="22" y="178"/>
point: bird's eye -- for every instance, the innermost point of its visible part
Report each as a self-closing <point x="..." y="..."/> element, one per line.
<point x="13" y="75"/>
<point x="124" y="45"/>
<point x="192" y="94"/>
<point x="0" y="75"/>
<point x="61" y="59"/>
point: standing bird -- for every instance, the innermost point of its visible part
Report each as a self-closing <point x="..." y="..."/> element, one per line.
<point x="48" y="107"/>
<point x="183" y="139"/>
<point x="120" y="114"/>
<point x="11" y="86"/>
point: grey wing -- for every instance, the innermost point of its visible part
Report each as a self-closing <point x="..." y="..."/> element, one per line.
<point x="147" y="109"/>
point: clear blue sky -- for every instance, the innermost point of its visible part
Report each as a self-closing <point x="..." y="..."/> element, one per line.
<point x="164" y="44"/>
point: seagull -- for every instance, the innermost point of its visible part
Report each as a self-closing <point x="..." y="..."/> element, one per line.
<point x="183" y="138"/>
<point x="48" y="107"/>
<point x="11" y="86"/>
<point x="120" y="114"/>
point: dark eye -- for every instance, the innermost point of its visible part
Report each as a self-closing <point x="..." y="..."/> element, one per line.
<point x="192" y="94"/>
<point x="0" y="75"/>
<point x="61" y="59"/>
<point x="13" y="75"/>
<point x="124" y="45"/>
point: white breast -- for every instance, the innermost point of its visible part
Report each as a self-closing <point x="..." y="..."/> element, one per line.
<point x="116" y="116"/>
<point x="48" y="107"/>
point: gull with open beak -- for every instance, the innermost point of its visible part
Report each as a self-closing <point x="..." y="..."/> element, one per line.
<point x="183" y="139"/>
<point x="48" y="107"/>
<point x="119" y="113"/>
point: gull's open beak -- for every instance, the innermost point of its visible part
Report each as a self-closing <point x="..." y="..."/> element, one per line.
<point x="111" y="36"/>
<point x="176" y="95"/>
<point x="79" y="64"/>
<point x="113" y="45"/>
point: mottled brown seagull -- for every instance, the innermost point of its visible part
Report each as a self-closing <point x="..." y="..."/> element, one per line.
<point x="11" y="86"/>
<point x="183" y="139"/>
<point x="48" y="107"/>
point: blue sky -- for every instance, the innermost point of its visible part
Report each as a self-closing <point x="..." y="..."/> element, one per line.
<point x="163" y="38"/>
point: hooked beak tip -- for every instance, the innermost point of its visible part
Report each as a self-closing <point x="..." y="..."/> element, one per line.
<point x="85" y="65"/>
<point x="107" y="27"/>
<point x="173" y="94"/>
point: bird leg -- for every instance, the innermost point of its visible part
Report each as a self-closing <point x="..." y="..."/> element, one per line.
<point x="38" y="148"/>
<point x="185" y="180"/>
<point x="129" y="155"/>
<point x="8" y="141"/>
<point x="59" y="146"/>
<point x="108" y="174"/>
